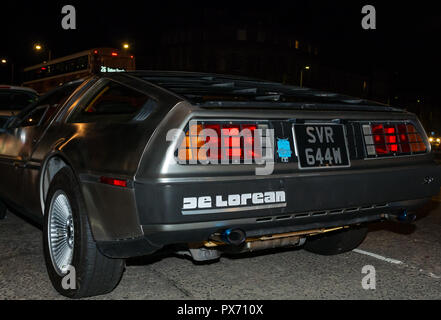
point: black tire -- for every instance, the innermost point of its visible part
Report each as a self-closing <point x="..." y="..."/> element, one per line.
<point x="336" y="242"/>
<point x="96" y="274"/>
<point x="3" y="210"/>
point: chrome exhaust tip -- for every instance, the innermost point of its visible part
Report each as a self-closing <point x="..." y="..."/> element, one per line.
<point x="233" y="236"/>
<point x="402" y="216"/>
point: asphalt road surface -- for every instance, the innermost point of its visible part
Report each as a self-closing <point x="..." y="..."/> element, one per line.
<point x="406" y="258"/>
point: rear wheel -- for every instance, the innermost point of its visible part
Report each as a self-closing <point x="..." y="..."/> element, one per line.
<point x="336" y="242"/>
<point x="68" y="242"/>
<point x="3" y="210"/>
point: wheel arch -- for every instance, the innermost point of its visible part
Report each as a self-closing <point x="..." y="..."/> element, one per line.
<point x="53" y="163"/>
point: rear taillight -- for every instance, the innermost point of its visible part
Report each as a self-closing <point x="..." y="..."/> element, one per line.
<point x="392" y="139"/>
<point x="211" y="141"/>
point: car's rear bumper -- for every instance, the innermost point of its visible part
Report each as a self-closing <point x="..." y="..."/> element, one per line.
<point x="307" y="192"/>
<point x="159" y="235"/>
<point x="313" y="200"/>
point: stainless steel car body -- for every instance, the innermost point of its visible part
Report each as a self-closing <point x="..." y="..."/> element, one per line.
<point x="140" y="153"/>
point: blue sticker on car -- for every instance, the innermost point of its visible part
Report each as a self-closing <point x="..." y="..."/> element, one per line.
<point x="284" y="149"/>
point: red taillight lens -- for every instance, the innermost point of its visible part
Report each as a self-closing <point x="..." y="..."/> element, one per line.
<point x="216" y="141"/>
<point x="379" y="139"/>
<point x="231" y="142"/>
<point x="251" y="146"/>
<point x="113" y="181"/>
<point x="392" y="139"/>
<point x="404" y="140"/>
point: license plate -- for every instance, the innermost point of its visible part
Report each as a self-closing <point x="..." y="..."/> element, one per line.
<point x="321" y="145"/>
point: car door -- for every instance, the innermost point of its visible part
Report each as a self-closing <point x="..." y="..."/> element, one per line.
<point x="8" y="175"/>
<point x="15" y="143"/>
<point x="18" y="141"/>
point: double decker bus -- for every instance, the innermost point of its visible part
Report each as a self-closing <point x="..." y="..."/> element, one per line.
<point x="50" y="74"/>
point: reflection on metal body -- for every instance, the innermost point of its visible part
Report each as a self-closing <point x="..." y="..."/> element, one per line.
<point x="138" y="152"/>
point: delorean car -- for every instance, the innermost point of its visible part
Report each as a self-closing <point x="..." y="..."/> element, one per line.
<point x="122" y="165"/>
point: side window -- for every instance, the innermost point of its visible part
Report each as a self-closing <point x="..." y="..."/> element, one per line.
<point x="35" y="117"/>
<point x="14" y="100"/>
<point x="113" y="102"/>
<point x="46" y="107"/>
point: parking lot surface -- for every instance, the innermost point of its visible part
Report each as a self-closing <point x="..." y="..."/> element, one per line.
<point x="406" y="258"/>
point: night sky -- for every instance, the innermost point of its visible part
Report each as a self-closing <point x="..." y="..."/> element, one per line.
<point x="405" y="43"/>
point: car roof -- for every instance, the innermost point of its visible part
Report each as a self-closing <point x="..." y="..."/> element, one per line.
<point x="219" y="90"/>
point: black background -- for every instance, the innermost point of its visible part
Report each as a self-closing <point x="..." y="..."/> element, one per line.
<point x="405" y="45"/>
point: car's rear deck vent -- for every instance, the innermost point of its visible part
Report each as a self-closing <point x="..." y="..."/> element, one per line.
<point x="283" y="218"/>
<point x="264" y="219"/>
<point x="319" y="213"/>
<point x="323" y="213"/>
<point x="301" y="215"/>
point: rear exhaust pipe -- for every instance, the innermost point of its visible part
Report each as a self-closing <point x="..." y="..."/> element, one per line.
<point x="402" y="216"/>
<point x="234" y="237"/>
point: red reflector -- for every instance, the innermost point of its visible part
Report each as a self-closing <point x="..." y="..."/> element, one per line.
<point x="114" y="182"/>
<point x="114" y="54"/>
<point x="43" y="68"/>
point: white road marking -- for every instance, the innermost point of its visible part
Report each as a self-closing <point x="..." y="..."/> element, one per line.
<point x="396" y="262"/>
<point x="377" y="256"/>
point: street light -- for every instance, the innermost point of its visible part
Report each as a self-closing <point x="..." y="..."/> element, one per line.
<point x="301" y="75"/>
<point x="126" y="46"/>
<point x="39" y="47"/>
<point x="5" y="62"/>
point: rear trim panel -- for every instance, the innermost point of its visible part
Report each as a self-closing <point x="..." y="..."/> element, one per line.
<point x="162" y="203"/>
